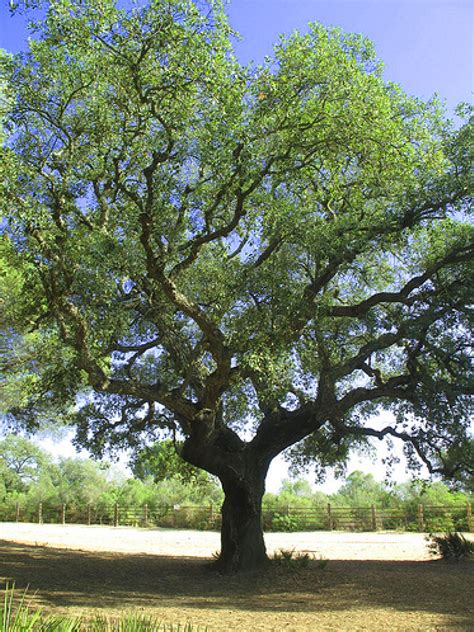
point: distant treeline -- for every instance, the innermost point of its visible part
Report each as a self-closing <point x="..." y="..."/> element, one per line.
<point x="30" y="477"/>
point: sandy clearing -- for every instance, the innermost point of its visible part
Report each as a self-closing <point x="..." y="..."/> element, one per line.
<point x="334" y="545"/>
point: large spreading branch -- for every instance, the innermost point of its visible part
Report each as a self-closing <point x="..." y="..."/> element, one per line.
<point x="402" y="296"/>
<point x="389" y="431"/>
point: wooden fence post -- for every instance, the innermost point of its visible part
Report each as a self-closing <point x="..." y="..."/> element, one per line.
<point x="421" y="518"/>
<point x="330" y="521"/>
<point x="469" y="517"/>
<point x="63" y="513"/>
<point x="89" y="514"/>
<point x="17" y="512"/>
<point x="116" y="515"/>
<point x="145" y="514"/>
<point x="211" y="514"/>
<point x="40" y="513"/>
<point x="374" y="518"/>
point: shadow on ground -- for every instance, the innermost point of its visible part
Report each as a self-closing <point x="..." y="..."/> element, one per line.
<point x="65" y="579"/>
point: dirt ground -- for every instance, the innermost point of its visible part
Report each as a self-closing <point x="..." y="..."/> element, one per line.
<point x="372" y="581"/>
<point x="329" y="544"/>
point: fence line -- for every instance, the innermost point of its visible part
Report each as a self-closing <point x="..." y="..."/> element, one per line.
<point x="289" y="518"/>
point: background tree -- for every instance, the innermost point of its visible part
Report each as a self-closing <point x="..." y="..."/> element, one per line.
<point x="361" y="490"/>
<point x="79" y="481"/>
<point x="162" y="461"/>
<point x="255" y="258"/>
<point x="20" y="463"/>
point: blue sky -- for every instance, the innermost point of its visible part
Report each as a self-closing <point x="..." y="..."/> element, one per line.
<point x="427" y="45"/>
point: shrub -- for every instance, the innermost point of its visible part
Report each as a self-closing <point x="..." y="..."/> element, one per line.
<point x="440" y="523"/>
<point x="284" y="523"/>
<point x="290" y="559"/>
<point x="450" y="546"/>
<point x="137" y="623"/>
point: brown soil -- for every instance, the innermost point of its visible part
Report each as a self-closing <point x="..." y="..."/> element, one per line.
<point x="345" y="595"/>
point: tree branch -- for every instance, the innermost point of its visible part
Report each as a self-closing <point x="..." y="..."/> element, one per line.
<point x="360" y="309"/>
<point x="392" y="432"/>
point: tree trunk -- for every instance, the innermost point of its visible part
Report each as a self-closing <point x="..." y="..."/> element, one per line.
<point x="242" y="473"/>
<point x="242" y="544"/>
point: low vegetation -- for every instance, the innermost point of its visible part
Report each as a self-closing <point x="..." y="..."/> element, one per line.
<point x="17" y="615"/>
<point x="291" y="559"/>
<point x="450" y="546"/>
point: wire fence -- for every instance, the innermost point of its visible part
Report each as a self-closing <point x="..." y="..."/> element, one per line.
<point x="422" y="518"/>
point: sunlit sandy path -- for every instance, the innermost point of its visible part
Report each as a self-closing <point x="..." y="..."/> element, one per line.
<point x="331" y="545"/>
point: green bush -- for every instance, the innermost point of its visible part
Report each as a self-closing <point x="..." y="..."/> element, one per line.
<point x="450" y="546"/>
<point x="284" y="523"/>
<point x="440" y="523"/>
<point x="361" y="519"/>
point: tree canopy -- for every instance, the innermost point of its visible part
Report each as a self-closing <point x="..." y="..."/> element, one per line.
<point x="252" y="257"/>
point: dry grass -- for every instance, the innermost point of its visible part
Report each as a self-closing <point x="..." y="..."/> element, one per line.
<point x="346" y="595"/>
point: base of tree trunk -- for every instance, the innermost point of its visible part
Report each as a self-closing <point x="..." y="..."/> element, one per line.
<point x="242" y="543"/>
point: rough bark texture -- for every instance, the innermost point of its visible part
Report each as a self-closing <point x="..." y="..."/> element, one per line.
<point x="242" y="542"/>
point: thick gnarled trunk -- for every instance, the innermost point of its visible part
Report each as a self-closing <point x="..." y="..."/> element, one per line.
<point x="242" y="543"/>
<point x="242" y="473"/>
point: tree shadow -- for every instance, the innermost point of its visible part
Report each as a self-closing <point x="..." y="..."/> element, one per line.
<point x="66" y="578"/>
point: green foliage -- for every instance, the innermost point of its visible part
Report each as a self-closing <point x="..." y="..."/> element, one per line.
<point x="79" y="481"/>
<point x="284" y="523"/>
<point x="138" y="623"/>
<point x="183" y="234"/>
<point x="458" y="459"/>
<point x="162" y="462"/>
<point x="29" y="476"/>
<point x="16" y="615"/>
<point x="299" y="488"/>
<point x="171" y="491"/>
<point x="20" y="463"/>
<point x="396" y="505"/>
<point x="291" y="559"/>
<point x="440" y="523"/>
<point x="410" y="496"/>
<point x="450" y="546"/>
<point x="361" y="489"/>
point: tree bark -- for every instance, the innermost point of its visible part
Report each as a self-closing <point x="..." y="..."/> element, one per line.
<point x="241" y="471"/>
<point x="242" y="542"/>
